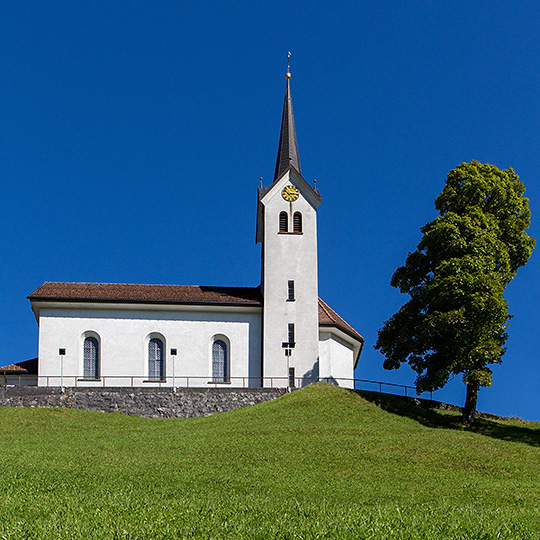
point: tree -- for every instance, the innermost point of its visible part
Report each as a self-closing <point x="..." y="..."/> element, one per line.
<point x="455" y="321"/>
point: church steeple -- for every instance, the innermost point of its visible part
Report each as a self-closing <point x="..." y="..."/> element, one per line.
<point x="287" y="229"/>
<point x="288" y="147"/>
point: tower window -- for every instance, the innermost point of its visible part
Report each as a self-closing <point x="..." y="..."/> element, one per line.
<point x="155" y="359"/>
<point x="91" y="358"/>
<point x="290" y="291"/>
<point x="283" y="222"/>
<point x="291" y="333"/>
<point x="297" y="222"/>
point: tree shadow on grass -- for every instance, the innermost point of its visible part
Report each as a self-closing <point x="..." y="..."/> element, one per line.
<point x="423" y="412"/>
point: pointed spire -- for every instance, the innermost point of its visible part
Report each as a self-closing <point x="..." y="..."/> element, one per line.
<point x="288" y="147"/>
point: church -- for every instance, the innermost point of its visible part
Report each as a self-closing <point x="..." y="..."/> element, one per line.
<point x="279" y="334"/>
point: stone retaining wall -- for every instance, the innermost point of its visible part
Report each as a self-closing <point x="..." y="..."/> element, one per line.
<point x="148" y="402"/>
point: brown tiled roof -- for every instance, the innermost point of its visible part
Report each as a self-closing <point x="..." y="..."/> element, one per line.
<point x="172" y="294"/>
<point x="328" y="317"/>
<point x="129" y="293"/>
<point x="28" y="367"/>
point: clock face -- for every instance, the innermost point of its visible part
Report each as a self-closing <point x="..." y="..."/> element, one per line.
<point x="290" y="193"/>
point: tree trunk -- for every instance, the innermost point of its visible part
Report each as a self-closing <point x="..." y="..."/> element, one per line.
<point x="469" y="410"/>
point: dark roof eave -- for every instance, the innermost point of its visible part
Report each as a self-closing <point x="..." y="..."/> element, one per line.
<point x="356" y="337"/>
<point x="142" y="301"/>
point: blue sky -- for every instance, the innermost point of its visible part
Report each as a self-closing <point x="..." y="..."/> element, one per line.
<point x="133" y="136"/>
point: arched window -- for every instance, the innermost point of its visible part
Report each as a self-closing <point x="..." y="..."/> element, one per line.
<point x="283" y="222"/>
<point x="91" y="358"/>
<point x="220" y="361"/>
<point x="297" y="222"/>
<point x="155" y="359"/>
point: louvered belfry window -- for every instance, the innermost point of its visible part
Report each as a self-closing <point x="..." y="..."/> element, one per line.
<point x="91" y="358"/>
<point x="297" y="222"/>
<point x="155" y="359"/>
<point x="283" y="222"/>
<point x="220" y="362"/>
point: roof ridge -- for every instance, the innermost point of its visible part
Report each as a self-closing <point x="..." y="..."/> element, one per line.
<point x="326" y="308"/>
<point x="146" y="284"/>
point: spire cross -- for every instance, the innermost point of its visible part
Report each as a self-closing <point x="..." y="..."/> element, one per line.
<point x="288" y="147"/>
<point x="288" y="75"/>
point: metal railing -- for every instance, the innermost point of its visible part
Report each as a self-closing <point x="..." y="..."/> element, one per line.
<point x="380" y="385"/>
<point x="203" y="382"/>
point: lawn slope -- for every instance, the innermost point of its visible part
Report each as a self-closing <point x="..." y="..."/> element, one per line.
<point x="322" y="462"/>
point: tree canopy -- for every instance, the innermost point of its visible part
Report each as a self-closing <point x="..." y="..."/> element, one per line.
<point x="455" y="321"/>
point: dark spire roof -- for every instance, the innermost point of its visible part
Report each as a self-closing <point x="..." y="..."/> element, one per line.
<point x="288" y="147"/>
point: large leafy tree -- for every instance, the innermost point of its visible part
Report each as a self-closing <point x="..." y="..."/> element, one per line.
<point x="455" y="321"/>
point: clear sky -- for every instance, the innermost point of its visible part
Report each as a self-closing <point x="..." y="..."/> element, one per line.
<point x="133" y="136"/>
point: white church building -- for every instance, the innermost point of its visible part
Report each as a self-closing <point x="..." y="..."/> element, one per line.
<point x="276" y="335"/>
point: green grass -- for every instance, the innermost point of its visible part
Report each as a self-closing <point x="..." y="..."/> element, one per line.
<point x="322" y="462"/>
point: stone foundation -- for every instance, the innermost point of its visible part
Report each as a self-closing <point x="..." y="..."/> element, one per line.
<point x="147" y="402"/>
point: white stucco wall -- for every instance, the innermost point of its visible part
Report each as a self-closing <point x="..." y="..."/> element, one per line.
<point x="124" y="332"/>
<point x="336" y="359"/>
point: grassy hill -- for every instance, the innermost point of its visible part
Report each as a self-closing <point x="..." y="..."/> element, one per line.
<point x="322" y="462"/>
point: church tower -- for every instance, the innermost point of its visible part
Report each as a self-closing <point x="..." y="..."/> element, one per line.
<point x="287" y="229"/>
